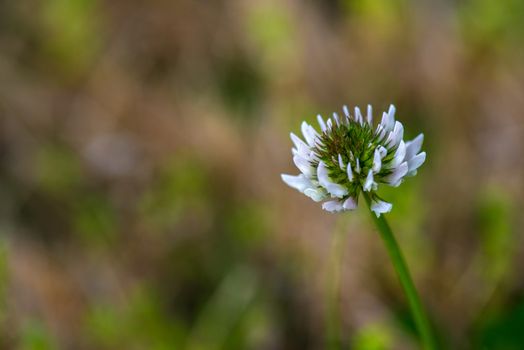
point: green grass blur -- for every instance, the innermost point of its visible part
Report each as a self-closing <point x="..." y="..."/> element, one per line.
<point x="141" y="146"/>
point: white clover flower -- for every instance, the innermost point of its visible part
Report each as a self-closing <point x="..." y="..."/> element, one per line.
<point x="349" y="155"/>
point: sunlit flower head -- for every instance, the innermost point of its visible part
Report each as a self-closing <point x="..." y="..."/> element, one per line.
<point x="350" y="155"/>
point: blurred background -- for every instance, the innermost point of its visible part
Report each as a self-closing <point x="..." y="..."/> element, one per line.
<point x="141" y="146"/>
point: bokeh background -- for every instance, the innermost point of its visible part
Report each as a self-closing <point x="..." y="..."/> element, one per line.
<point x="141" y="146"/>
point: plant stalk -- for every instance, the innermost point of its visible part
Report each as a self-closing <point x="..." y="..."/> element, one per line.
<point x="334" y="339"/>
<point x="419" y="315"/>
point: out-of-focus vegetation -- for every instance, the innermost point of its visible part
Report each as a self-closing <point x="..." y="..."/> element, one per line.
<point x="140" y="150"/>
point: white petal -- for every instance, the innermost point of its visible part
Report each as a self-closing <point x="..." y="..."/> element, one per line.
<point x="395" y="178"/>
<point x="414" y="146"/>
<point x="302" y="152"/>
<point x="329" y="124"/>
<point x="312" y="156"/>
<point x="400" y="155"/>
<point x="357" y="167"/>
<point x="299" y="144"/>
<point x="350" y="172"/>
<point x="391" y="112"/>
<point x="309" y="133"/>
<point x="380" y="132"/>
<point x="333" y="188"/>
<point x="415" y="162"/>
<point x="335" y="116"/>
<point x="350" y="204"/>
<point x="315" y="194"/>
<point x="377" y="160"/>
<point x="299" y="182"/>
<point x="383" y="151"/>
<point x="341" y="162"/>
<point x="396" y="135"/>
<point x="380" y="207"/>
<point x="369" y="116"/>
<point x="303" y="165"/>
<point x="370" y="183"/>
<point x="321" y="123"/>
<point x="387" y="123"/>
<point x="316" y="136"/>
<point x="332" y="206"/>
<point x="346" y="111"/>
<point x="358" y="116"/>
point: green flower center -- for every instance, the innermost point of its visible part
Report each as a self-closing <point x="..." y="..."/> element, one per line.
<point x="356" y="144"/>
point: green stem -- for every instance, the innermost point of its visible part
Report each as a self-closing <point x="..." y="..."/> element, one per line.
<point x="421" y="320"/>
<point x="334" y="332"/>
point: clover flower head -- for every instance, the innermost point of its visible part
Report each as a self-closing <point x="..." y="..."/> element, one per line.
<point x="350" y="155"/>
